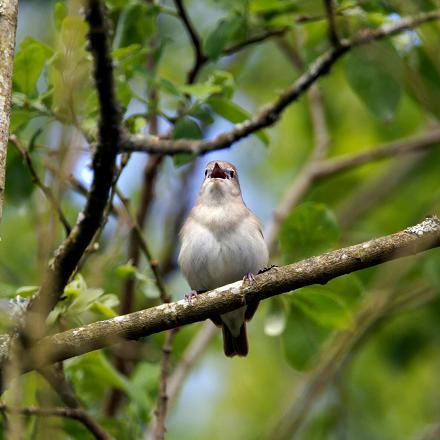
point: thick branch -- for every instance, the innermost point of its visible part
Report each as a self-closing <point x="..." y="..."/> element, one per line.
<point x="314" y="270"/>
<point x="8" y="25"/>
<point x="72" y="413"/>
<point x="270" y="114"/>
<point x="69" y="253"/>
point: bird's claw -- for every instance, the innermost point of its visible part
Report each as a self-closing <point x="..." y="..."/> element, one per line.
<point x="189" y="296"/>
<point x="267" y="269"/>
<point x="249" y="278"/>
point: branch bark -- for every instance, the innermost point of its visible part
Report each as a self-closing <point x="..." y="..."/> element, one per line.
<point x="319" y="269"/>
<point x="8" y="25"/>
<point x="272" y="113"/>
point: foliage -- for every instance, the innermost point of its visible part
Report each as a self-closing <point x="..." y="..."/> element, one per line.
<point x="379" y="92"/>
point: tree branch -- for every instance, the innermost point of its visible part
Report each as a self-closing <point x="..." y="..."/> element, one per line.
<point x="271" y="113"/>
<point x="199" y="58"/>
<point x="70" y="251"/>
<point x="72" y="413"/>
<point x="316" y="170"/>
<point x="8" y="25"/>
<point x="400" y="147"/>
<point x="314" y="270"/>
<point x="331" y="19"/>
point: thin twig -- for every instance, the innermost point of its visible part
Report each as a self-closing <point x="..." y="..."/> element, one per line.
<point x="199" y="57"/>
<point x="331" y="19"/>
<point x="153" y="263"/>
<point x="72" y="413"/>
<point x="271" y="113"/>
<point x="159" y="428"/>
<point x="315" y="270"/>
<point x="37" y="181"/>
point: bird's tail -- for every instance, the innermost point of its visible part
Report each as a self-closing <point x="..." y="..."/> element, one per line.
<point x="235" y="345"/>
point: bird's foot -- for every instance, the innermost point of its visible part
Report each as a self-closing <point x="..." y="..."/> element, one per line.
<point x="249" y="278"/>
<point x="267" y="269"/>
<point x="189" y="296"/>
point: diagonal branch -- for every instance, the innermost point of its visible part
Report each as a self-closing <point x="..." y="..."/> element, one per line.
<point x="271" y="114"/>
<point x="317" y="170"/>
<point x="319" y="269"/>
<point x="8" y="26"/>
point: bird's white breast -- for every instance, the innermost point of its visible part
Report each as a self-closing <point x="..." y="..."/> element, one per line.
<point x="221" y="250"/>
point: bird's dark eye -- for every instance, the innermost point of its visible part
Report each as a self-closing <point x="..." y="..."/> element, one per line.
<point x="231" y="174"/>
<point x="206" y="173"/>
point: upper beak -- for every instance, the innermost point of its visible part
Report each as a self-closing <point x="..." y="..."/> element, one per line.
<point x="218" y="173"/>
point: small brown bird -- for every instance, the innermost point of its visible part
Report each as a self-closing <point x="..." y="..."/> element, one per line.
<point x="222" y="243"/>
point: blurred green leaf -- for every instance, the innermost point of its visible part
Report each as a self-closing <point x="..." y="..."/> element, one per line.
<point x="28" y="64"/>
<point x="374" y="72"/>
<point x="201" y="91"/>
<point x="234" y="113"/>
<point x="185" y="128"/>
<point x="136" y="24"/>
<point x="26" y="291"/>
<point x="60" y="11"/>
<point x="19" y="183"/>
<point x="302" y="338"/>
<point x="125" y="271"/>
<point x="324" y="307"/>
<point x="308" y="229"/>
<point x="224" y="33"/>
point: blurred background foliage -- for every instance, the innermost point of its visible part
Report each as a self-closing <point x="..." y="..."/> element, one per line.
<point x="355" y="359"/>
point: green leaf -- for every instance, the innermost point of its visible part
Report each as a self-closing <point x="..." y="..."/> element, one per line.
<point x="302" y="338"/>
<point x="168" y="87"/>
<point x="374" y="72"/>
<point x="234" y="113"/>
<point x="19" y="183"/>
<point x="26" y="291"/>
<point x="125" y="271"/>
<point x="225" y="31"/>
<point x="136" y="24"/>
<point x="185" y="128"/>
<point x="103" y="310"/>
<point x="28" y="65"/>
<point x="324" y="307"/>
<point x="60" y="11"/>
<point x="309" y="229"/>
<point x="276" y="317"/>
<point x="201" y="91"/>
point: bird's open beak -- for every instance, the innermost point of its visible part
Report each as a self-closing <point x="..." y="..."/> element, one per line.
<point x="218" y="173"/>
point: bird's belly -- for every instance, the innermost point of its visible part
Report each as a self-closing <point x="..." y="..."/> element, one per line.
<point x="213" y="261"/>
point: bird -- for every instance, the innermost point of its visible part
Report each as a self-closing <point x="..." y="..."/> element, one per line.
<point x="222" y="242"/>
